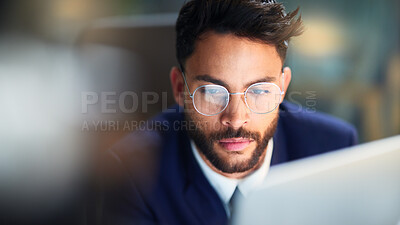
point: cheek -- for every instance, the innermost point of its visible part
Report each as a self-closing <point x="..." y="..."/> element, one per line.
<point x="206" y="124"/>
<point x="187" y="101"/>
<point x="210" y="125"/>
<point x="261" y="122"/>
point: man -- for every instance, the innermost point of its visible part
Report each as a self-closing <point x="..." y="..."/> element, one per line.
<point x="230" y="124"/>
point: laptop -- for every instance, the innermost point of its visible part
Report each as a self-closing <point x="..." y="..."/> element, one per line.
<point x="356" y="185"/>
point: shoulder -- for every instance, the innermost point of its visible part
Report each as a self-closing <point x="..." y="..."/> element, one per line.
<point x="317" y="132"/>
<point x="299" y="116"/>
<point x="141" y="151"/>
<point x="150" y="133"/>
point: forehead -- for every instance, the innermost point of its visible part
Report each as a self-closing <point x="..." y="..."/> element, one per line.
<point x="232" y="59"/>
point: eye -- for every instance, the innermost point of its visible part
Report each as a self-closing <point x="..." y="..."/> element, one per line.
<point x="211" y="91"/>
<point x="259" y="91"/>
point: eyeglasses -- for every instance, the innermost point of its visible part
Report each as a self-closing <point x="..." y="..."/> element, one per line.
<point x="211" y="100"/>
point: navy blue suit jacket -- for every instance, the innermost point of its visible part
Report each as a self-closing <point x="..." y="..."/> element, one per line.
<point x="156" y="179"/>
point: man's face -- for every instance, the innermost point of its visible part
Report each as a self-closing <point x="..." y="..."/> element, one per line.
<point x="236" y="139"/>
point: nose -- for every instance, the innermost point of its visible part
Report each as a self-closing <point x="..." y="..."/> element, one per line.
<point x="236" y="114"/>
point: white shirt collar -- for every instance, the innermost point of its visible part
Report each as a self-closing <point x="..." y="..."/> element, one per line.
<point x="225" y="186"/>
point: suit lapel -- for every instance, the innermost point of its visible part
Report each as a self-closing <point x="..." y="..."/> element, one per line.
<point x="200" y="196"/>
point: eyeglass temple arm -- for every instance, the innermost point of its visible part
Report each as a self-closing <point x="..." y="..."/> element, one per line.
<point x="184" y="79"/>
<point x="283" y="84"/>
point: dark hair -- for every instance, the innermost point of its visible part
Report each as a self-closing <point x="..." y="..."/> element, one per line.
<point x="258" y="20"/>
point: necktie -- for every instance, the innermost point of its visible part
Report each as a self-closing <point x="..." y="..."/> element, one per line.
<point x="236" y="197"/>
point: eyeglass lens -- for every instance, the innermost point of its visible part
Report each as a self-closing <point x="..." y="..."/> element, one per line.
<point x="213" y="99"/>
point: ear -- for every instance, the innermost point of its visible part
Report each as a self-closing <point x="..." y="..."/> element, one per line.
<point x="286" y="81"/>
<point x="177" y="84"/>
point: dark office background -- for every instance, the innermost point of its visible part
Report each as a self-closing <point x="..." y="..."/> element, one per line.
<point x="347" y="60"/>
<point x="346" y="64"/>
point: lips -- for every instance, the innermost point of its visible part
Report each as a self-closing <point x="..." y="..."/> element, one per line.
<point x="235" y="144"/>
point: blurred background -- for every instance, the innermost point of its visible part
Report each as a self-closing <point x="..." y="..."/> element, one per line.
<point x="76" y="75"/>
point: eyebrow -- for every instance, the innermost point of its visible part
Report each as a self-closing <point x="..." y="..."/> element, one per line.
<point x="267" y="79"/>
<point x="208" y="78"/>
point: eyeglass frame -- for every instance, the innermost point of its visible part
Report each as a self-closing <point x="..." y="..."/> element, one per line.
<point x="191" y="95"/>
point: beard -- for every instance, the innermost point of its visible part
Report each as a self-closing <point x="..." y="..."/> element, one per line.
<point x="205" y="144"/>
